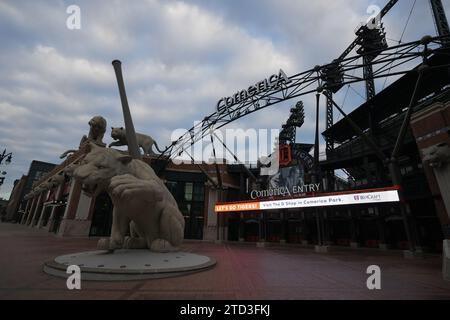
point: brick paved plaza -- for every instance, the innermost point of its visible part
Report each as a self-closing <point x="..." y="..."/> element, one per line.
<point x="242" y="272"/>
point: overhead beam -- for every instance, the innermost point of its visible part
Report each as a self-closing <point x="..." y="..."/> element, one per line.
<point x="305" y="83"/>
<point x="360" y="133"/>
<point x="440" y="18"/>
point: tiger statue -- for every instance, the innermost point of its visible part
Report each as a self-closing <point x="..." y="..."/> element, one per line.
<point x="97" y="129"/>
<point x="143" y="206"/>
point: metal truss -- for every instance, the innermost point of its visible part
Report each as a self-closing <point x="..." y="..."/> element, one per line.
<point x="388" y="62"/>
<point x="330" y="120"/>
<point x="440" y="18"/>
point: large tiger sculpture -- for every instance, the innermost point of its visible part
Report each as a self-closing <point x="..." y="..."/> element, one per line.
<point x="143" y="206"/>
<point x="144" y="141"/>
<point x="97" y="129"/>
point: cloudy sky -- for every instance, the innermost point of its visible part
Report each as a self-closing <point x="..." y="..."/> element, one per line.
<point x="179" y="58"/>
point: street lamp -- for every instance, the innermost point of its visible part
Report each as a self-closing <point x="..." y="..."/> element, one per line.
<point x="8" y="157"/>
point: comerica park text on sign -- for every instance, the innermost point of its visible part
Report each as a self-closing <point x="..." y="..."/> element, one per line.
<point x="373" y="196"/>
<point x="273" y="82"/>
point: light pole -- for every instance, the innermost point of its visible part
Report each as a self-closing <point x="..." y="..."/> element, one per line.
<point x="8" y="157"/>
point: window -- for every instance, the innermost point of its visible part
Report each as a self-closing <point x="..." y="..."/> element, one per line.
<point x="172" y="186"/>
<point x="190" y="200"/>
<point x="198" y="194"/>
<point x="406" y="170"/>
<point x="38" y="175"/>
<point x="188" y="189"/>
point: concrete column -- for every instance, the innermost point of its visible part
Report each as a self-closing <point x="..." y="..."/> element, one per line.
<point x="225" y="227"/>
<point x="71" y="208"/>
<point x="414" y="230"/>
<point x="27" y="207"/>
<point x="58" y="196"/>
<point x="77" y="220"/>
<point x="33" y="212"/>
<point x="306" y="232"/>
<point x="381" y="232"/>
<point x="30" y="211"/>
<point x="283" y="236"/>
<point x="40" y="213"/>
<point x="262" y="227"/>
<point x="241" y="228"/>
<point x="418" y="251"/>
<point x="41" y="217"/>
<point x="80" y="223"/>
<point x="211" y="226"/>
<point x="72" y="201"/>
<point x="50" y="219"/>
<point x="324" y="248"/>
<point x="446" y="260"/>
<point x="262" y="231"/>
<point x="442" y="175"/>
<point x="29" y="202"/>
<point x="326" y="228"/>
<point x="21" y="212"/>
<point x="38" y="210"/>
<point x="353" y="231"/>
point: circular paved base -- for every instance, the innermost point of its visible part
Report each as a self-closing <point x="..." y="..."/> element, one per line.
<point x="129" y="264"/>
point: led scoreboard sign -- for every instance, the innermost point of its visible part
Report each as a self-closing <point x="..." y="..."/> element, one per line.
<point x="333" y="199"/>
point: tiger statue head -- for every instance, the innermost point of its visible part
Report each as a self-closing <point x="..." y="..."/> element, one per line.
<point x="98" y="167"/>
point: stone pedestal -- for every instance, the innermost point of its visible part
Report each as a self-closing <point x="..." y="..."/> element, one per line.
<point x="322" y="249"/>
<point x="128" y="264"/>
<point x="446" y="260"/>
<point x="241" y="240"/>
<point x="383" y="246"/>
<point x="282" y="241"/>
<point x="304" y="242"/>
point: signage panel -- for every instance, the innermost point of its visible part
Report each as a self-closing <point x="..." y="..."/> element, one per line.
<point x="381" y="196"/>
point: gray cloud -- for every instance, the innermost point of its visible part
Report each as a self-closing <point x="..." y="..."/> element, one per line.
<point x="178" y="58"/>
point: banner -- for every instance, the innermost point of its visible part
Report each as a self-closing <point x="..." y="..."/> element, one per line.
<point x="354" y="198"/>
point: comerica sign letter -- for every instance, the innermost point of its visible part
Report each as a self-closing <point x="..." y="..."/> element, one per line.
<point x="273" y="82"/>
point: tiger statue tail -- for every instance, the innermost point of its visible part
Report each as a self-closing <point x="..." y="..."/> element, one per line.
<point x="65" y="154"/>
